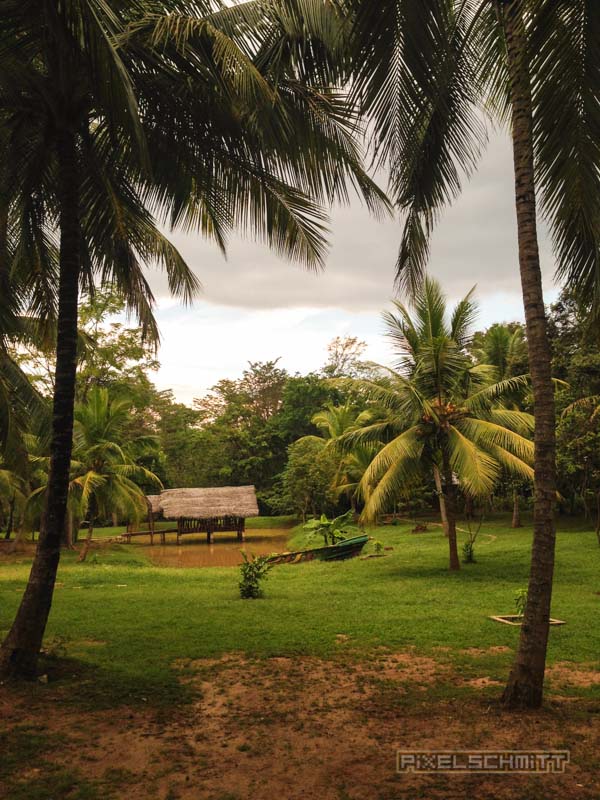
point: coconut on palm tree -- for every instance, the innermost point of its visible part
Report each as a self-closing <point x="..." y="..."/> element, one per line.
<point x="442" y="412"/>
<point x="424" y="71"/>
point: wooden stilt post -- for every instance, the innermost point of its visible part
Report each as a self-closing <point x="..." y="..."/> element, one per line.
<point x="151" y="524"/>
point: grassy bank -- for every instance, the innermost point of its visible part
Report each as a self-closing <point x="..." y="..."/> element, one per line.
<point x="122" y="623"/>
<point x="252" y="523"/>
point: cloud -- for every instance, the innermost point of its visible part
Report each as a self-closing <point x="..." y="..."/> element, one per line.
<point x="475" y="242"/>
<point x="256" y="306"/>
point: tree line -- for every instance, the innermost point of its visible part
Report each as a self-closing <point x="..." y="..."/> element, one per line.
<point x="313" y="443"/>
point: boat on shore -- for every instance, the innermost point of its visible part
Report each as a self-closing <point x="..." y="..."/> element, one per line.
<point x="340" y="551"/>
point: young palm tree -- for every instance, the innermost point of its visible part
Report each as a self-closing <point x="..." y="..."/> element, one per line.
<point x="413" y="335"/>
<point x="333" y="422"/>
<point x="106" y="478"/>
<point x="12" y="497"/>
<point x="504" y="347"/>
<point x="423" y="70"/>
<point x="442" y="412"/>
<point x="114" y="114"/>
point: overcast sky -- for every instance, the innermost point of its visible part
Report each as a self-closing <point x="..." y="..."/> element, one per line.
<point x="255" y="306"/>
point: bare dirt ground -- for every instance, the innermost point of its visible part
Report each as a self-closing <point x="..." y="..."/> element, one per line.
<point x="297" y="729"/>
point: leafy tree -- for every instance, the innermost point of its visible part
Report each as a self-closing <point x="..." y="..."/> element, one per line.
<point x="578" y="435"/>
<point x="308" y="477"/>
<point x="302" y="397"/>
<point x="258" y="394"/>
<point x="109" y="353"/>
<point x="245" y="426"/>
<point x="423" y="71"/>
<point x="576" y="361"/>
<point x="12" y="498"/>
<point x="343" y="357"/>
<point x="441" y="411"/>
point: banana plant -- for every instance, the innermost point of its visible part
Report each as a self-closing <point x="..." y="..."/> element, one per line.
<point x="332" y="530"/>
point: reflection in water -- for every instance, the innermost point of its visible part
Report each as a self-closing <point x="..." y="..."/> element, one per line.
<point x="193" y="550"/>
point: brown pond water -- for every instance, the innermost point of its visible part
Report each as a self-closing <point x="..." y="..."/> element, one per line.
<point x="193" y="550"/>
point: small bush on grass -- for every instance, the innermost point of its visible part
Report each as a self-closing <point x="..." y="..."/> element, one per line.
<point x="253" y="571"/>
<point x="521" y="601"/>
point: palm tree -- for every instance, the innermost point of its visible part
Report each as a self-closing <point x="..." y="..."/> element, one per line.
<point x="106" y="477"/>
<point x="12" y="497"/>
<point x="423" y="71"/>
<point x="412" y="336"/>
<point x="442" y="412"/>
<point x="114" y="114"/>
<point x="503" y="346"/>
<point x="333" y="422"/>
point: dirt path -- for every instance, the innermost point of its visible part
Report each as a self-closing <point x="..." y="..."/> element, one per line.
<point x="296" y="729"/>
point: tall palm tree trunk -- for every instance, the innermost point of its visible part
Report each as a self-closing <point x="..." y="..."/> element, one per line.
<point x="92" y="510"/>
<point x="20" y="650"/>
<point x="450" y="503"/>
<point x="516" y="516"/>
<point x="441" y="499"/>
<point x="525" y="684"/>
<point x="11" y="517"/>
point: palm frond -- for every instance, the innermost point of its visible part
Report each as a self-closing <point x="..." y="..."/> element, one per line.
<point x="476" y="469"/>
<point x="565" y="47"/>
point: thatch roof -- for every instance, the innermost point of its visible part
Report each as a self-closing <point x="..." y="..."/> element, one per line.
<point x="154" y="503"/>
<point x="232" y="501"/>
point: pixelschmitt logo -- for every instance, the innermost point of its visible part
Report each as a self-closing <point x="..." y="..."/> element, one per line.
<point x="489" y="761"/>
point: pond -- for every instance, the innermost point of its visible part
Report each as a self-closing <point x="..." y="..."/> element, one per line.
<point x="194" y="551"/>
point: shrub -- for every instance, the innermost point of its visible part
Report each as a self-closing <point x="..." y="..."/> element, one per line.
<point x="332" y="530"/>
<point x="521" y="601"/>
<point x="468" y="553"/>
<point x="253" y="571"/>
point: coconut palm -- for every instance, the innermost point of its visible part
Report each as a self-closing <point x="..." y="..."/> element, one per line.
<point x="22" y="408"/>
<point x="333" y="422"/>
<point x="356" y="462"/>
<point x="442" y="412"/>
<point x="105" y="477"/>
<point x="414" y="330"/>
<point x="504" y="347"/>
<point x="12" y="497"/>
<point x="423" y="71"/>
<point x="116" y="114"/>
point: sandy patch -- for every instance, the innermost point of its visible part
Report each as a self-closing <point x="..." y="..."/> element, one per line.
<point x="566" y="673"/>
<point x="311" y="729"/>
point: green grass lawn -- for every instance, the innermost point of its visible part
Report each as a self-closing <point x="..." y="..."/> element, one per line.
<point x="121" y="623"/>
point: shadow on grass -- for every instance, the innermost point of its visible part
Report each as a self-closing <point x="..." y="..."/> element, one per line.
<point x="93" y="687"/>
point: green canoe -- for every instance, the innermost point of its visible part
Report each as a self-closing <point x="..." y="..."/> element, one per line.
<point x="348" y="548"/>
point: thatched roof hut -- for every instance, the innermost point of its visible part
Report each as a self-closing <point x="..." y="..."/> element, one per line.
<point x="222" y="501"/>
<point x="154" y="503"/>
